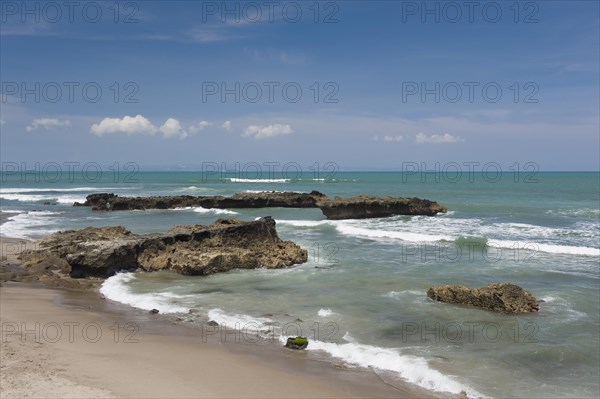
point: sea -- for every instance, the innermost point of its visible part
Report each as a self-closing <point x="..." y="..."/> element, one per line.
<point x="361" y="297"/>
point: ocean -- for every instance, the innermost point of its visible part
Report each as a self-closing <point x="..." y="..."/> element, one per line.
<point x="361" y="297"/>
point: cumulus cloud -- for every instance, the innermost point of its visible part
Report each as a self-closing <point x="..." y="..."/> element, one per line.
<point x="226" y="125"/>
<point x="263" y="132"/>
<point x="393" y="138"/>
<point x="172" y="128"/>
<point x="422" y="138"/>
<point x="200" y="126"/>
<point x="46" y="123"/>
<point x="128" y="125"/>
<point x="138" y="125"/>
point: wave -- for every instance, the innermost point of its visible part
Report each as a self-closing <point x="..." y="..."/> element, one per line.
<point x="9" y="190"/>
<point x="581" y="212"/>
<point x="304" y="223"/>
<point x="521" y="242"/>
<point x="237" y="321"/>
<point x="324" y="312"/>
<point x="239" y="180"/>
<point x="61" y="199"/>
<point x="31" y="224"/>
<point x="387" y="234"/>
<point x="411" y="368"/>
<point x="215" y="211"/>
<point x="548" y="248"/>
<point x="116" y="288"/>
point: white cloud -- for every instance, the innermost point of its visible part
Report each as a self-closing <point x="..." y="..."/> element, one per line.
<point x="393" y="138"/>
<point x="263" y="132"/>
<point x="128" y="125"/>
<point x="226" y="125"/>
<point x="138" y="125"/>
<point x="172" y="128"/>
<point x="200" y="126"/>
<point x="46" y="123"/>
<point x="422" y="138"/>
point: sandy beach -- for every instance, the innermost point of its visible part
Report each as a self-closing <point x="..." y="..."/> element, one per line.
<point x="72" y="344"/>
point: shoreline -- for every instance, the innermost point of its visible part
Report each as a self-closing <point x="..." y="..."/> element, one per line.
<point x="172" y="359"/>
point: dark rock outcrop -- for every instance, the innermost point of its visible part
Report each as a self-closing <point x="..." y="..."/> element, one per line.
<point x="360" y="207"/>
<point x="363" y="207"/>
<point x="499" y="297"/>
<point x="191" y="250"/>
<point x="267" y="199"/>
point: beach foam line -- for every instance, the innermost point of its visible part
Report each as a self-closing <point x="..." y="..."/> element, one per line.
<point x="411" y="368"/>
<point x="116" y="288"/>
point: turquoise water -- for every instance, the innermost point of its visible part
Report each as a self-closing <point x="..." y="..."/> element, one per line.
<point x="361" y="298"/>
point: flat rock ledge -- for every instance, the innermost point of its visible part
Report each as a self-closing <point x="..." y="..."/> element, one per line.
<point x="499" y="297"/>
<point x="360" y="207"/>
<point x="189" y="250"/>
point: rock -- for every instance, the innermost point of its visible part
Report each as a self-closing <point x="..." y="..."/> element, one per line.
<point x="337" y="208"/>
<point x="153" y="311"/>
<point x="363" y="207"/>
<point x="212" y="323"/>
<point x="112" y="202"/>
<point x="190" y="250"/>
<point x="296" y="343"/>
<point x="499" y="297"/>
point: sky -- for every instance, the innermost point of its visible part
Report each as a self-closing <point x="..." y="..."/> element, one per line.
<point x="368" y="85"/>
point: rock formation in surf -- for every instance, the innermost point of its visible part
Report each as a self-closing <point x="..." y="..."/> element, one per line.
<point x="190" y="250"/>
<point x="363" y="207"/>
<point x="499" y="297"/>
<point x="360" y="207"/>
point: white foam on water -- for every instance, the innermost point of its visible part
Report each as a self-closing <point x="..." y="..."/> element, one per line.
<point x="31" y="224"/>
<point x="389" y="234"/>
<point x="11" y="211"/>
<point x="399" y="294"/>
<point x="411" y="368"/>
<point x="70" y="199"/>
<point x="59" y="198"/>
<point x="272" y="191"/>
<point x="116" y="288"/>
<point x="239" y="180"/>
<point x="548" y="248"/>
<point x="10" y="190"/>
<point x="236" y="321"/>
<point x="304" y="223"/>
<point x="324" y="312"/>
<point x="215" y="211"/>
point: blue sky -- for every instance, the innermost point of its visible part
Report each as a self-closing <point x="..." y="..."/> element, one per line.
<point x="381" y="83"/>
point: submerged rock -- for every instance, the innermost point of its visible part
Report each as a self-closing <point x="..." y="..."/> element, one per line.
<point x="191" y="250"/>
<point x="500" y="297"/>
<point x="296" y="343"/>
